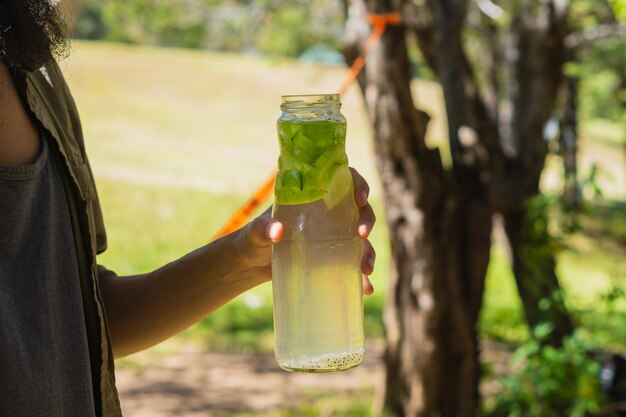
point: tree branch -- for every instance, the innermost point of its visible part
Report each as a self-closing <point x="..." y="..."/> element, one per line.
<point x="589" y="36"/>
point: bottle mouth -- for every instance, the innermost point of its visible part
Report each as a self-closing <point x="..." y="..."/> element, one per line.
<point x="309" y="101"/>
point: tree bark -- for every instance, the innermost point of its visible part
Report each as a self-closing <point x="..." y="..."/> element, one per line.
<point x="538" y="73"/>
<point x="439" y="225"/>
<point x="440" y="220"/>
<point x="534" y="268"/>
<point x="509" y="179"/>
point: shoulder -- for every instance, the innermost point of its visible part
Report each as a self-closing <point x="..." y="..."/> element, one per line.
<point x="19" y="139"/>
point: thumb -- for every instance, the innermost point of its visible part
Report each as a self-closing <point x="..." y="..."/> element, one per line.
<point x="265" y="231"/>
<point x="275" y="231"/>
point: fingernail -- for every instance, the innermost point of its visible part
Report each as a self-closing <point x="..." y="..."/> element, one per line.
<point x="368" y="288"/>
<point x="275" y="231"/>
<point x="364" y="229"/>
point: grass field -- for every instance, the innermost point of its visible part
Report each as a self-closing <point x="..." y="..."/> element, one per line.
<point x="179" y="139"/>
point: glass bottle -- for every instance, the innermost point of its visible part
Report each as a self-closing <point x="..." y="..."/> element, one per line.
<point x="316" y="278"/>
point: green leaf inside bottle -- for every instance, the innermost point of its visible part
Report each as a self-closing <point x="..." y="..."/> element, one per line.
<point x="313" y="164"/>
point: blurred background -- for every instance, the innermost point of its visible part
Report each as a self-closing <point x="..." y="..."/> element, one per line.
<point x="179" y="99"/>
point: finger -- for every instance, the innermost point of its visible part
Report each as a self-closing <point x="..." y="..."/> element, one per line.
<point x="368" y="288"/>
<point x="367" y="219"/>
<point x="275" y="228"/>
<point x="263" y="231"/>
<point x="361" y="188"/>
<point x="368" y="258"/>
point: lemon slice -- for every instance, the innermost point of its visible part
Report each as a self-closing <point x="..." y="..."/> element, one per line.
<point x="340" y="186"/>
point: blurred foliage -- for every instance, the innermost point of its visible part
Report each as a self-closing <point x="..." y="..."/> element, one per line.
<point x="548" y="381"/>
<point x="274" y="27"/>
<point x="548" y="223"/>
<point x="590" y="246"/>
<point x="551" y="379"/>
<point x="601" y="67"/>
<point x="88" y="20"/>
<point x="619" y="7"/>
<point x="607" y="219"/>
<point x="289" y="28"/>
<point x="168" y="23"/>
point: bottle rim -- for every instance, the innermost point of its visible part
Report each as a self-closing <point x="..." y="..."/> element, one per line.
<point x="299" y="101"/>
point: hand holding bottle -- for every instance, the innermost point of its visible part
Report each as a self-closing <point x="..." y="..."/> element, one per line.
<point x="256" y="238"/>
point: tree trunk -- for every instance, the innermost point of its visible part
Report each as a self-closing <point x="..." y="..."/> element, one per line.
<point x="440" y="240"/>
<point x="534" y="268"/>
<point x="440" y="221"/>
<point x="538" y="74"/>
<point x="478" y="132"/>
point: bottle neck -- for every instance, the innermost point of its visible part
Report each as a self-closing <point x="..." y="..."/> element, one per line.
<point x="317" y="107"/>
<point x="312" y="102"/>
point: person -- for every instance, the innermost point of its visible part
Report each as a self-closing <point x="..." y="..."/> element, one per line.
<point x="63" y="317"/>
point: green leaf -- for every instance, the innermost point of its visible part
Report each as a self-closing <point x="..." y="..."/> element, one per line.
<point x="543" y="330"/>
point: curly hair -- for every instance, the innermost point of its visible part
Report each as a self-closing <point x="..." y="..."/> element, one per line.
<point x="32" y="32"/>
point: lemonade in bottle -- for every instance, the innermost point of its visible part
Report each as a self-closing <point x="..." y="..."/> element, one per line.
<point x="316" y="278"/>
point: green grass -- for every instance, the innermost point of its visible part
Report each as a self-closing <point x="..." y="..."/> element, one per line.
<point x="150" y="225"/>
<point x="501" y="317"/>
<point x="179" y="139"/>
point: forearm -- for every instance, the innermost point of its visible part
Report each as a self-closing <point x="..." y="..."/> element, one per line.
<point x="144" y="310"/>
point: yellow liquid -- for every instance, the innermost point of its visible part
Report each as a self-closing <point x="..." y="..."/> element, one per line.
<point x="318" y="300"/>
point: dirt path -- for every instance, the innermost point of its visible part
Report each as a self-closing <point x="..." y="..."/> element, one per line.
<point x="193" y="383"/>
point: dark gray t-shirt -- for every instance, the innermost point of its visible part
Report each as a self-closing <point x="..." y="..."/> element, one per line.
<point x="44" y="360"/>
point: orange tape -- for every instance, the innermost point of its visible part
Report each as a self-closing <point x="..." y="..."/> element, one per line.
<point x="242" y="215"/>
<point x="379" y="22"/>
<point x="384" y="19"/>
